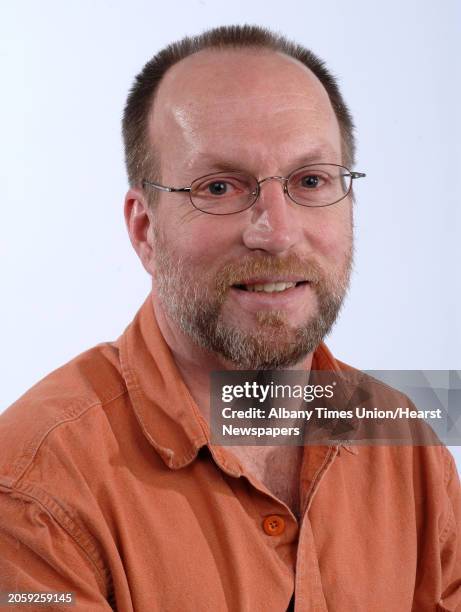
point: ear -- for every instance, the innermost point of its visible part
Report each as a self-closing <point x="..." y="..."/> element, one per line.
<point x="139" y="224"/>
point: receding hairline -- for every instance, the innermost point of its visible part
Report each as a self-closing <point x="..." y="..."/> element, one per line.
<point x="252" y="39"/>
<point x="255" y="51"/>
<point x="171" y="75"/>
<point x="174" y="72"/>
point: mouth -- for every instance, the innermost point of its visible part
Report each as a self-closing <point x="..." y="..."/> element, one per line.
<point x="290" y="295"/>
<point x="276" y="286"/>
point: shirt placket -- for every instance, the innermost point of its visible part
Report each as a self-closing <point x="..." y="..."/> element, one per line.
<point x="309" y="595"/>
<point x="277" y="522"/>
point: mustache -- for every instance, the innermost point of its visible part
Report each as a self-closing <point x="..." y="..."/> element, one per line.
<point x="250" y="266"/>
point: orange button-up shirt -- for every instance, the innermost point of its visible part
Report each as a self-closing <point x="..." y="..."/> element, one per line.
<point x="111" y="489"/>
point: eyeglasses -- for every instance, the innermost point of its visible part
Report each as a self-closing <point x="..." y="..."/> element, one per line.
<point x="227" y="193"/>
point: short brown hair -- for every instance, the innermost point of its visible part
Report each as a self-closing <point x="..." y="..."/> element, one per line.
<point x="139" y="162"/>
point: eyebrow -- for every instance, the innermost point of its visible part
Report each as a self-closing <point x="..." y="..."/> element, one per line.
<point x="212" y="163"/>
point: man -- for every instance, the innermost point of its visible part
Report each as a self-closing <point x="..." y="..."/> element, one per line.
<point x="239" y="153"/>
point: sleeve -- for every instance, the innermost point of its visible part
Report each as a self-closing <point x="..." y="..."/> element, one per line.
<point x="450" y="544"/>
<point x="38" y="555"/>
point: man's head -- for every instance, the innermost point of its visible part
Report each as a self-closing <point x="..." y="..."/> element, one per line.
<point x="141" y="155"/>
<point x="218" y="280"/>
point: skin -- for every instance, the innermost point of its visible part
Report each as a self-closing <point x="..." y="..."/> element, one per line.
<point x="264" y="113"/>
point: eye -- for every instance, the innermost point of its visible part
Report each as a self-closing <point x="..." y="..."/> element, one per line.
<point x="311" y="181"/>
<point x="217" y="188"/>
<point x="220" y="187"/>
<point x="225" y="188"/>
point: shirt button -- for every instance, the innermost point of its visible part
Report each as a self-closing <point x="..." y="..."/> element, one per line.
<point x="274" y="525"/>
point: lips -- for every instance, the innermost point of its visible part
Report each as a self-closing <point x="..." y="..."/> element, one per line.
<point x="268" y="286"/>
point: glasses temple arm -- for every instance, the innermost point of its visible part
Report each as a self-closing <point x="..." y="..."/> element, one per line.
<point x="163" y="187"/>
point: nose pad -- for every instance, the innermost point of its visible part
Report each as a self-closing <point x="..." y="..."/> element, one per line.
<point x="258" y="189"/>
<point x="277" y="178"/>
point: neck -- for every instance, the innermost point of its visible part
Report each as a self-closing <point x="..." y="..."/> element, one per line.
<point x="195" y="364"/>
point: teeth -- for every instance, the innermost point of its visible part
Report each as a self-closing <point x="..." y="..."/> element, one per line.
<point x="270" y="287"/>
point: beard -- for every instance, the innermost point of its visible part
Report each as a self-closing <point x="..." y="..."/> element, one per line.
<point x="193" y="298"/>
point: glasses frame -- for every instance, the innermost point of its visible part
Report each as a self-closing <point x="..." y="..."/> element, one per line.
<point x="352" y="175"/>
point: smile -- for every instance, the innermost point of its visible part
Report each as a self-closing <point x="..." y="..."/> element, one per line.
<point x="268" y="287"/>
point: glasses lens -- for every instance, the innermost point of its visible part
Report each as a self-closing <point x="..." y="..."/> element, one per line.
<point x="319" y="185"/>
<point x="223" y="193"/>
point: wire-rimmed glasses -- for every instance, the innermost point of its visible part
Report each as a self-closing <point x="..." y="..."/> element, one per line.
<point x="227" y="193"/>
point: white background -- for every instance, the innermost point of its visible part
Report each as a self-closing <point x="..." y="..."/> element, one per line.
<point x="69" y="276"/>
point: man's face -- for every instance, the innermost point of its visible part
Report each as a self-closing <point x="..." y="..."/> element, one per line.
<point x="265" y="114"/>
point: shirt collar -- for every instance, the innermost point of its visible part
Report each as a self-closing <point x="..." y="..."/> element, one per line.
<point x="323" y="359"/>
<point x="163" y="405"/>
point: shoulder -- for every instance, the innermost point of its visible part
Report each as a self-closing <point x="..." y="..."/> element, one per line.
<point x="65" y="409"/>
<point x="417" y="441"/>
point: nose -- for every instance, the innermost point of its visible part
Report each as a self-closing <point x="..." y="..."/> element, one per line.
<point x="273" y="225"/>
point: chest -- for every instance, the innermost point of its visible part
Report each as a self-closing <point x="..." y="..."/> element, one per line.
<point x="278" y="468"/>
<point x="205" y="527"/>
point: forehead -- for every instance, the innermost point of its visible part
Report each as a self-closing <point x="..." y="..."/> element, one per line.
<point x="241" y="103"/>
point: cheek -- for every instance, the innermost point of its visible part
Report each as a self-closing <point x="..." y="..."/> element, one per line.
<point x="329" y="231"/>
<point x="203" y="239"/>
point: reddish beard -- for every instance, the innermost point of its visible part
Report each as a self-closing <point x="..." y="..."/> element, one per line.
<point x="194" y="298"/>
